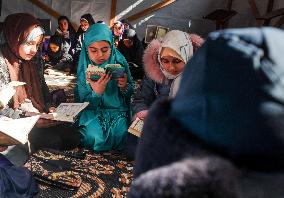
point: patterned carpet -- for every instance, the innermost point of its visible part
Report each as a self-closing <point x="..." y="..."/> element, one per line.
<point x="106" y="174"/>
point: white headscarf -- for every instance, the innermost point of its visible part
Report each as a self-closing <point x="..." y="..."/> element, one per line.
<point x="178" y="42"/>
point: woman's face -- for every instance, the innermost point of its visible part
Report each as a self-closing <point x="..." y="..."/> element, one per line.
<point x="63" y="25"/>
<point x="117" y="29"/>
<point x="172" y="64"/>
<point x="53" y="47"/>
<point x="27" y="50"/>
<point x="99" y="51"/>
<point x="84" y="25"/>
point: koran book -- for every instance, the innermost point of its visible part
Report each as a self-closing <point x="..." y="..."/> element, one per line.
<point x="116" y="70"/>
<point x="65" y="112"/>
<point x="16" y="131"/>
<point x="136" y="127"/>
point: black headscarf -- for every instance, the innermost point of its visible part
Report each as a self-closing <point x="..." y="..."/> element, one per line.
<point x="88" y="17"/>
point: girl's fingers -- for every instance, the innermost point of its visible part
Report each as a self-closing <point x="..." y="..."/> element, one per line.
<point x="88" y="75"/>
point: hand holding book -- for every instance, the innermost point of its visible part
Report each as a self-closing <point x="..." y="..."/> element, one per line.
<point x="99" y="85"/>
<point x="116" y="71"/>
<point x="136" y="127"/>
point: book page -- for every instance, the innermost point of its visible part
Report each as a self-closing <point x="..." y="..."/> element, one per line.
<point x="65" y="112"/>
<point x="68" y="111"/>
<point x="16" y="130"/>
<point x="136" y="127"/>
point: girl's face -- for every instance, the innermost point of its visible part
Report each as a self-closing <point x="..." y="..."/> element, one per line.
<point x="84" y="25"/>
<point x="117" y="29"/>
<point x="63" y="25"/>
<point x="128" y="43"/>
<point x="172" y="64"/>
<point x="99" y="51"/>
<point x="53" y="47"/>
<point x="27" y="50"/>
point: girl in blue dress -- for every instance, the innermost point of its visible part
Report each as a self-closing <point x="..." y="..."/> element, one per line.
<point x="104" y="123"/>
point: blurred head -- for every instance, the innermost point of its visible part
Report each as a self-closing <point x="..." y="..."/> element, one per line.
<point x="118" y="28"/>
<point x="128" y="37"/>
<point x="176" y="49"/>
<point x="55" y="43"/>
<point x="63" y="23"/>
<point x="84" y="25"/>
<point x="85" y="21"/>
<point x="54" y="47"/>
<point x="126" y="24"/>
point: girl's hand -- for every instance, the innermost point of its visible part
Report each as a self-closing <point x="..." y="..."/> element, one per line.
<point x="99" y="86"/>
<point x="141" y="114"/>
<point x="122" y="82"/>
<point x="51" y="109"/>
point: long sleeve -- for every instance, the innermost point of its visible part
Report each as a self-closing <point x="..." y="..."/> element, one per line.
<point x="43" y="85"/>
<point x="145" y="96"/>
<point x="84" y="92"/>
<point x="130" y="85"/>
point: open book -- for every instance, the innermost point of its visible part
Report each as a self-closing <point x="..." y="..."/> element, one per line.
<point x="136" y="127"/>
<point x="66" y="112"/>
<point x="15" y="131"/>
<point x="116" y="70"/>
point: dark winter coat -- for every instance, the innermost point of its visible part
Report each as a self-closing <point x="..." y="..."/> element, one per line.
<point x="222" y="135"/>
<point x="170" y="162"/>
<point x="133" y="54"/>
<point x="154" y="85"/>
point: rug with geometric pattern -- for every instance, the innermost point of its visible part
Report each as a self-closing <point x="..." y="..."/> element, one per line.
<point x="103" y="174"/>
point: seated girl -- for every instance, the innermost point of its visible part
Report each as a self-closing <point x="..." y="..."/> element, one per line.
<point x="104" y="123"/>
<point x="18" y="63"/>
<point x="163" y="64"/>
<point x="57" y="56"/>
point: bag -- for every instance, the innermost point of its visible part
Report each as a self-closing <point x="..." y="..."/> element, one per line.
<point x="57" y="97"/>
<point x="55" y="168"/>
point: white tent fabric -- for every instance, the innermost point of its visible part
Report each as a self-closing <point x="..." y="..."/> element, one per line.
<point x="174" y="16"/>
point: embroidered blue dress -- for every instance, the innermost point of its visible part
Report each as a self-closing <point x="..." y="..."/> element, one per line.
<point x="104" y="123"/>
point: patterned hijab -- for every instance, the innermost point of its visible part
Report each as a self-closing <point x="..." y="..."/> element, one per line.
<point x="177" y="44"/>
<point x="18" y="28"/>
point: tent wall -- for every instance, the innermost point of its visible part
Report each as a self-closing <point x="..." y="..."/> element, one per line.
<point x="174" y="16"/>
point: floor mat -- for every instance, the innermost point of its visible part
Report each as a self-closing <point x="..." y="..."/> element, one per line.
<point x="104" y="174"/>
<point x="56" y="79"/>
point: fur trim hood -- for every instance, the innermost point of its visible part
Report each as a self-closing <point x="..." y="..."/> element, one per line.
<point x="151" y="62"/>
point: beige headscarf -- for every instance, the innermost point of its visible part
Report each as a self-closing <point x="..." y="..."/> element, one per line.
<point x="176" y="44"/>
